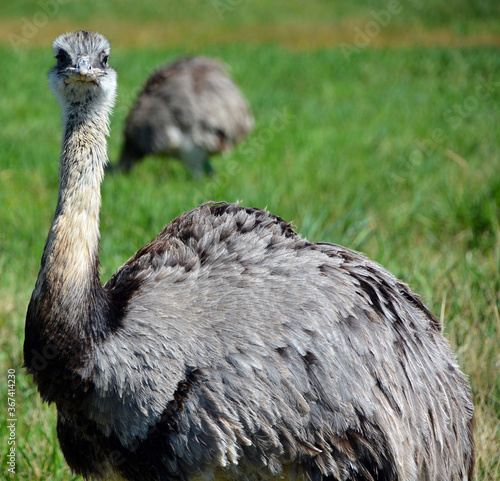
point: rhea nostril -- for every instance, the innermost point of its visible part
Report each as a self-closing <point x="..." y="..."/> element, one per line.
<point x="83" y="66"/>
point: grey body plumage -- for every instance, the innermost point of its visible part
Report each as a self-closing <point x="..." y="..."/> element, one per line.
<point x="190" y="110"/>
<point x="229" y="346"/>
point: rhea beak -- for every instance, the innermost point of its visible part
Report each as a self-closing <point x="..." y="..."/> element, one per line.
<point x="82" y="71"/>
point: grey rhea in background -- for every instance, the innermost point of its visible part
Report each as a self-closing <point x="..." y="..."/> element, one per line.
<point x="229" y="347"/>
<point x="190" y="110"/>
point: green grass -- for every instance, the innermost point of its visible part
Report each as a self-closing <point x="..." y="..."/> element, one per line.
<point x="460" y="14"/>
<point x="392" y="152"/>
<point x="297" y="24"/>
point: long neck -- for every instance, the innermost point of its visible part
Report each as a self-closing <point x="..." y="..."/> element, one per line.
<point x="68" y="289"/>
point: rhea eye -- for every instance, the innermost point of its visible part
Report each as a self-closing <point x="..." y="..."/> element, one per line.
<point x="104" y="58"/>
<point x="62" y="57"/>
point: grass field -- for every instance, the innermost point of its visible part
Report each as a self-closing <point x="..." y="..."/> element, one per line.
<point x="389" y="150"/>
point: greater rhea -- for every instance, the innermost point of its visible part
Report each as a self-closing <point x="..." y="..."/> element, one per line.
<point x="190" y="110"/>
<point x="229" y="347"/>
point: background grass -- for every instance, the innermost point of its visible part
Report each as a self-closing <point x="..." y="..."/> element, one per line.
<point x="390" y="151"/>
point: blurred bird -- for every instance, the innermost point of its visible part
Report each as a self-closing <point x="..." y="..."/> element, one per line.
<point x="190" y="110"/>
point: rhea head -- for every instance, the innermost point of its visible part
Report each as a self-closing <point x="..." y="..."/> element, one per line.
<point x="82" y="80"/>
